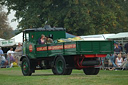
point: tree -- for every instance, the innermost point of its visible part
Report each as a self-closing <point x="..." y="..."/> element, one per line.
<point x="5" y="29"/>
<point x="57" y="13"/>
<point x="79" y="17"/>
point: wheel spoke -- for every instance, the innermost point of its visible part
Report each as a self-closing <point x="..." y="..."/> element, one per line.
<point x="25" y="67"/>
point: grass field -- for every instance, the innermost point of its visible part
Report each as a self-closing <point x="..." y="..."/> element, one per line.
<point x="13" y="76"/>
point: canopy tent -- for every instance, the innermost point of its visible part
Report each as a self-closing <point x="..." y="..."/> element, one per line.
<point x="1" y="39"/>
<point x="96" y="37"/>
<point x="119" y="35"/>
<point x="18" y="38"/>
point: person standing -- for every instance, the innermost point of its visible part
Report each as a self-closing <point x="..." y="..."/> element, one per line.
<point x="18" y="48"/>
<point x="11" y="51"/>
<point x="117" y="50"/>
<point x="18" y="52"/>
<point x="121" y="47"/>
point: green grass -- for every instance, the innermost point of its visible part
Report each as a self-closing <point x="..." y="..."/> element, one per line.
<point x="13" y="76"/>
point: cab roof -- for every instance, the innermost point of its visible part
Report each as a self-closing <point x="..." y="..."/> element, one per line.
<point x="45" y="28"/>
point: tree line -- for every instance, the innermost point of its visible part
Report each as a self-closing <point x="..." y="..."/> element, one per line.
<point x="79" y="17"/>
<point x="6" y="31"/>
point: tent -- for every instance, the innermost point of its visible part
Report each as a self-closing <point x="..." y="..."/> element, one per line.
<point x="119" y="35"/>
<point x="96" y="37"/>
<point x="1" y="39"/>
<point x="18" y="38"/>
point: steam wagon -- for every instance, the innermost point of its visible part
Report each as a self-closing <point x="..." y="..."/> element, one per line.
<point x="61" y="57"/>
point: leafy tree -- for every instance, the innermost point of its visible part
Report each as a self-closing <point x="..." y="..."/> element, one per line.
<point x="80" y="17"/>
<point x="5" y="29"/>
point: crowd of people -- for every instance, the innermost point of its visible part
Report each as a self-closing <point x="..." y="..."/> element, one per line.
<point x="118" y="60"/>
<point x="12" y="57"/>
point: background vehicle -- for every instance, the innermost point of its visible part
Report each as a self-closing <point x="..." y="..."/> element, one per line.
<point x="61" y="57"/>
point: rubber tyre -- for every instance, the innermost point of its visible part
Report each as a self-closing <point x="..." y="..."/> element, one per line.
<point x="89" y="71"/>
<point x="25" y="67"/>
<point x="54" y="71"/>
<point x="60" y="66"/>
<point x="68" y="72"/>
<point x="96" y="71"/>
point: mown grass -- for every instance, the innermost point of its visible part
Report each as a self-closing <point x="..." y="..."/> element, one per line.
<point x="13" y="76"/>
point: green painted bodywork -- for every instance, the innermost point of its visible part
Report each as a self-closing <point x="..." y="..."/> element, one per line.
<point x="48" y="50"/>
<point x="82" y="47"/>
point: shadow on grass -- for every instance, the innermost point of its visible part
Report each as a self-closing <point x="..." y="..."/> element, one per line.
<point x="43" y="75"/>
<point x="74" y="74"/>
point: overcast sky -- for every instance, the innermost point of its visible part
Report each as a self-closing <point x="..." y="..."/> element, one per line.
<point x="12" y="24"/>
<point x="10" y="17"/>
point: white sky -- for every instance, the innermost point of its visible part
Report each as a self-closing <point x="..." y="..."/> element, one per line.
<point x="12" y="24"/>
<point x="10" y="17"/>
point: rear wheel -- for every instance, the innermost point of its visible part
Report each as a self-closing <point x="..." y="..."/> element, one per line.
<point x="96" y="71"/>
<point x="25" y="66"/>
<point x="91" y="71"/>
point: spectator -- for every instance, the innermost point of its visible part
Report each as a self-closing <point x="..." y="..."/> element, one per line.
<point x="48" y="40"/>
<point x="10" y="59"/>
<point x="125" y="63"/>
<point x="19" y="48"/>
<point x="18" y="52"/>
<point x="121" y="47"/>
<point x="119" y="60"/>
<point x="117" y="50"/>
<point x="112" y="58"/>
<point x="11" y="51"/>
<point x="42" y="39"/>
<point x="1" y="51"/>
<point x="3" y="61"/>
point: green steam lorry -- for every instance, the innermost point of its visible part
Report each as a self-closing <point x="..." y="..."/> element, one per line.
<point x="61" y="57"/>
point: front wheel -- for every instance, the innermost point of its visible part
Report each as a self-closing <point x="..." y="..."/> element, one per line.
<point x="25" y="67"/>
